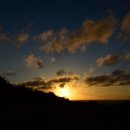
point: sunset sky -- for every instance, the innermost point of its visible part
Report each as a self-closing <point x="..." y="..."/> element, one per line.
<point x="78" y="47"/>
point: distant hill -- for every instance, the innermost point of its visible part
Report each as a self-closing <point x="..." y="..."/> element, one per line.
<point x="20" y="95"/>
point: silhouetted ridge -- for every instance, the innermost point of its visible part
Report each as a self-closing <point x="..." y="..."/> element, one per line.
<point x="3" y="81"/>
<point x="21" y="95"/>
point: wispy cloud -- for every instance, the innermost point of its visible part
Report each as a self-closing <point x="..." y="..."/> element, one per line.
<point x="33" y="61"/>
<point x="63" y="80"/>
<point x="38" y="78"/>
<point x="125" y="28"/>
<point x="51" y="83"/>
<point x="91" y="31"/>
<point x="112" y="59"/>
<point x="53" y="60"/>
<point x="44" y="36"/>
<point x="38" y="84"/>
<point x="127" y="57"/>
<point x="116" y="78"/>
<point x="20" y="38"/>
<point x="62" y="72"/>
<point x="8" y="73"/>
<point x="108" y="60"/>
<point x="56" y="42"/>
<point x="3" y="36"/>
<point x="17" y="38"/>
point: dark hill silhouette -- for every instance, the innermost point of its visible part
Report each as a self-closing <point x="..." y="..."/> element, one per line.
<point x="21" y="95"/>
<point x="20" y="103"/>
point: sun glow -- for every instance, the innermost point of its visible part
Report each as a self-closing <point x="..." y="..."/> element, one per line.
<point x="69" y="91"/>
<point x="63" y="92"/>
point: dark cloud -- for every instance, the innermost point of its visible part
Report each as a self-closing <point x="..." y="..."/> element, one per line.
<point x="61" y="80"/>
<point x="108" y="60"/>
<point x="116" y="78"/>
<point x="118" y="72"/>
<point x="111" y="59"/>
<point x="62" y="85"/>
<point x="39" y="78"/>
<point x="33" y="61"/>
<point x="38" y="84"/>
<point x="9" y="73"/>
<point x="91" y="31"/>
<point x="49" y="84"/>
<point x="61" y="72"/>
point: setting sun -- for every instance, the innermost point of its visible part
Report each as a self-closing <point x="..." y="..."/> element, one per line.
<point x="63" y="92"/>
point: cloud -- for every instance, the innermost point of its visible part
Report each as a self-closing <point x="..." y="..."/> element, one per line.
<point x="91" y="31"/>
<point x="20" y="38"/>
<point x="125" y="23"/>
<point x="44" y="36"/>
<point x="9" y="73"/>
<point x="4" y="38"/>
<point x="125" y="28"/>
<point x="116" y="78"/>
<point x="61" y="72"/>
<point x="50" y="84"/>
<point x="61" y="81"/>
<point x="33" y="61"/>
<point x="127" y="57"/>
<point x="17" y="39"/>
<point x="55" y="43"/>
<point x="107" y="60"/>
<point x="39" y="78"/>
<point x="38" y="84"/>
<point x="111" y="59"/>
<point x="53" y="60"/>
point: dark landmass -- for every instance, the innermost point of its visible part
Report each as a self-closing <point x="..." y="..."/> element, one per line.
<point x="18" y="103"/>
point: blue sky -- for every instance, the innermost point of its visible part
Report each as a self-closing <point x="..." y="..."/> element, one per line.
<point x="27" y="28"/>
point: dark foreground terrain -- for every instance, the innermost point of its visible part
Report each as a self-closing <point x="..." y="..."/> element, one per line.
<point x="29" y="109"/>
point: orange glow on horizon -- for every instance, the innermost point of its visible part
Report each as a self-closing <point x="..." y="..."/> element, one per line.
<point x="68" y="91"/>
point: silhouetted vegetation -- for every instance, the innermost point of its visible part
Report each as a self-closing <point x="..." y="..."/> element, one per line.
<point x="20" y="103"/>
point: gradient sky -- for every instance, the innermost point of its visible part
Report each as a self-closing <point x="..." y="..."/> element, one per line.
<point x="89" y="39"/>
